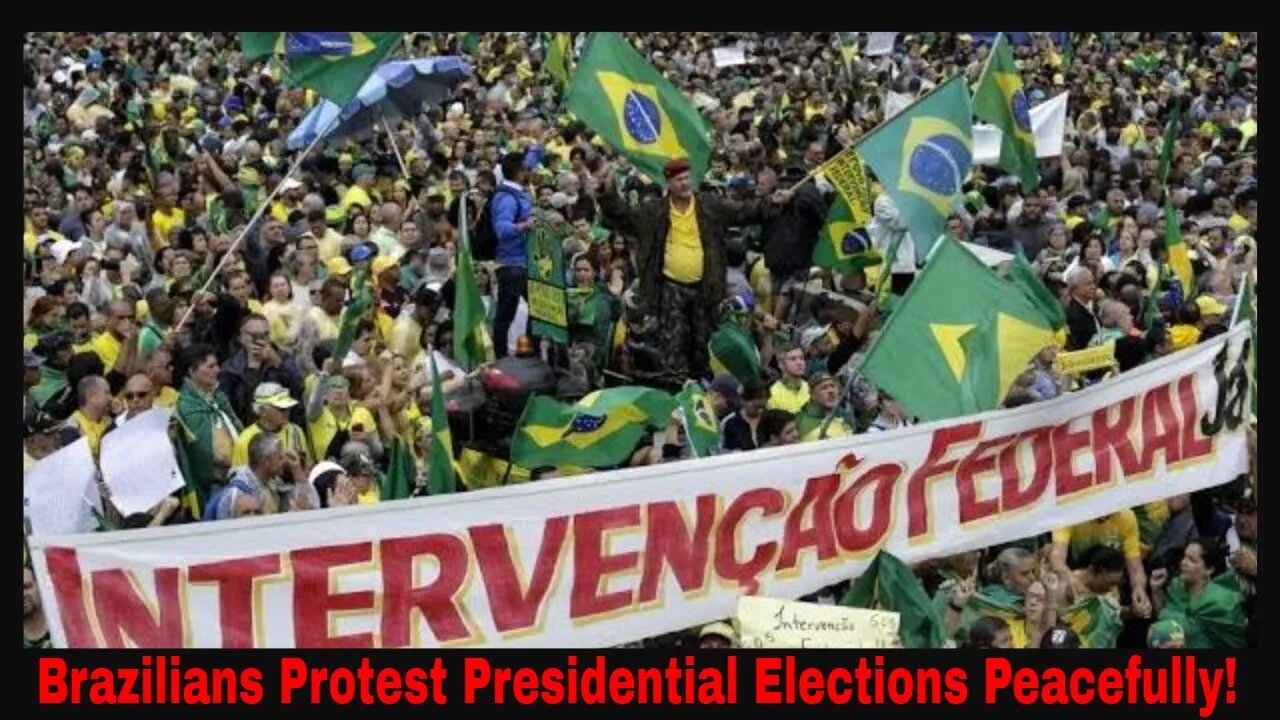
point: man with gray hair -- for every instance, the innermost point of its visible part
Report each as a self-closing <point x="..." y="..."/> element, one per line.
<point x="127" y="233"/>
<point x="259" y="488"/>
<point x="1082" y="321"/>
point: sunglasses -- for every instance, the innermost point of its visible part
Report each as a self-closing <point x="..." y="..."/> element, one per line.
<point x="137" y="395"/>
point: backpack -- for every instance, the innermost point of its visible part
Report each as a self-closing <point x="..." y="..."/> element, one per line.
<point x="484" y="242"/>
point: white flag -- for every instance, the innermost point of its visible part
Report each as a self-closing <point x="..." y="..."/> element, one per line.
<point x="138" y="463"/>
<point x="896" y="102"/>
<point x="1048" y="122"/>
<point x="60" y="492"/>
<point x="880" y="43"/>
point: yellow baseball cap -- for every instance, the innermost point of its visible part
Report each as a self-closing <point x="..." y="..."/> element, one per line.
<point x="383" y="263"/>
<point x="1209" y="305"/>
<point x="338" y="266"/>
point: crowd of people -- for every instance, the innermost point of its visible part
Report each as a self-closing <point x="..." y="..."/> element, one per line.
<point x="145" y="156"/>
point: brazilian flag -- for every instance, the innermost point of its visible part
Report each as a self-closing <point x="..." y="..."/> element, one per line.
<point x="440" y="475"/>
<point x="733" y="352"/>
<point x="360" y="302"/>
<point x="843" y="244"/>
<point x="601" y="430"/>
<point x="699" y="419"/>
<point x="557" y="54"/>
<point x="639" y="112"/>
<point x="888" y="584"/>
<point x="993" y="600"/>
<point x="958" y="339"/>
<point x="397" y="482"/>
<point x="922" y="158"/>
<point x="334" y="64"/>
<point x="1096" y="620"/>
<point x="1000" y="101"/>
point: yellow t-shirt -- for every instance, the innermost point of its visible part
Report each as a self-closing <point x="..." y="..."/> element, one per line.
<point x="356" y="195"/>
<point x="107" y="348"/>
<point x="291" y="438"/>
<point x="405" y="338"/>
<point x="326" y="327"/>
<point x="682" y="260"/>
<point x="280" y="319"/>
<point x="783" y="398"/>
<point x="1238" y="222"/>
<point x="324" y="428"/>
<point x="1118" y="530"/>
<point x="92" y="431"/>
<point x="279" y="212"/>
<point x="162" y="223"/>
<point x="1248" y="129"/>
<point x="329" y="246"/>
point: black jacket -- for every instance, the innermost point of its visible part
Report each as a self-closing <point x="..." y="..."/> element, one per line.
<point x="650" y="223"/>
<point x="238" y="383"/>
<point x="1082" y="325"/>
<point x="790" y="236"/>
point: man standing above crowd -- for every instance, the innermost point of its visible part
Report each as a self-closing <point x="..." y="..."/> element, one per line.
<point x="512" y="220"/>
<point x="681" y="259"/>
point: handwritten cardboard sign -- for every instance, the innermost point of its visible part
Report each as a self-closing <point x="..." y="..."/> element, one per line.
<point x="769" y="623"/>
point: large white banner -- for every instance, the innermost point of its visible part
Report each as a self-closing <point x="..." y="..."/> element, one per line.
<point x="606" y="559"/>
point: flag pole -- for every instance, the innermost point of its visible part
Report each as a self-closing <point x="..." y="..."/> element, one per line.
<point x="404" y="169"/>
<point x="257" y="215"/>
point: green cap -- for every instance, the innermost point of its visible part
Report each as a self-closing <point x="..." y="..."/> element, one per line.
<point x="335" y="215"/>
<point x="337" y="382"/>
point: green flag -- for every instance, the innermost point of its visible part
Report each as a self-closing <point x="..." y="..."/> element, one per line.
<point x="1176" y="250"/>
<point x="557" y="50"/>
<point x="1023" y="276"/>
<point x="469" y="42"/>
<point x="732" y="351"/>
<point x="922" y="158"/>
<point x="888" y="584"/>
<point x="631" y="105"/>
<point x="1095" y="620"/>
<point x="999" y="100"/>
<point x="472" y="345"/>
<point x="397" y="482"/>
<point x="1069" y="53"/>
<point x="699" y="419"/>
<point x="848" y="51"/>
<point x="957" y="340"/>
<point x="1167" y="143"/>
<point x="843" y="244"/>
<point x="334" y="64"/>
<point x="601" y="430"/>
<point x="361" y="299"/>
<point x="440" y="478"/>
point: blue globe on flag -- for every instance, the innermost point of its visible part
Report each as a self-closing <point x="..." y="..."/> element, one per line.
<point x="855" y="242"/>
<point x="641" y="118"/>
<point x="940" y="164"/>
<point x="586" y="423"/>
<point x="1021" y="109"/>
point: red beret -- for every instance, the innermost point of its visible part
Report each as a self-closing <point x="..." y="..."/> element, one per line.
<point x="676" y="167"/>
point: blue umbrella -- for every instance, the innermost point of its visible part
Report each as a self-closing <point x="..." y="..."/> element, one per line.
<point x="395" y="90"/>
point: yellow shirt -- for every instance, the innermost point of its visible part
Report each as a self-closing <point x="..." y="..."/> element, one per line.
<point x="326" y="327"/>
<point x="1118" y="530"/>
<point x="291" y="438"/>
<point x="356" y="195"/>
<point x="329" y="246"/>
<point x="162" y="223"/>
<point x="405" y="339"/>
<point x="279" y="212"/>
<point x="280" y="319"/>
<point x="324" y="428"/>
<point x="107" y="348"/>
<point x="92" y="431"/>
<point x="1248" y="129"/>
<point x="1238" y="223"/>
<point x="783" y="398"/>
<point x="682" y="261"/>
<point x="166" y="398"/>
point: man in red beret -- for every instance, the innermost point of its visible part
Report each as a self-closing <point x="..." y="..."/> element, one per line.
<point x="680" y="254"/>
